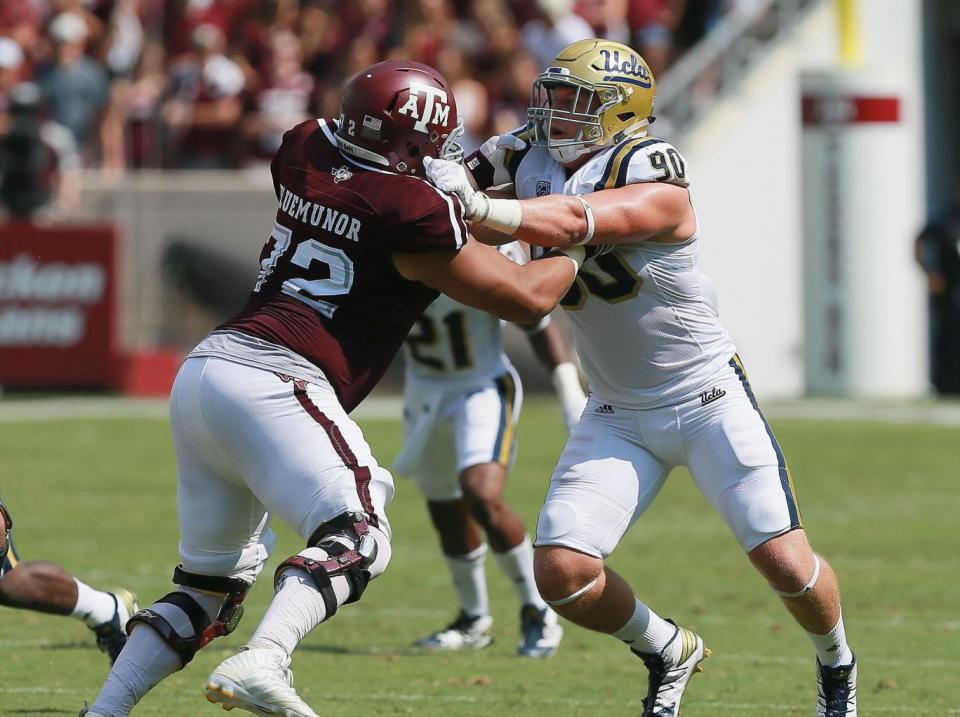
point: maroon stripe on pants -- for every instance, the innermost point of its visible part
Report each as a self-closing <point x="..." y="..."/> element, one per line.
<point x="361" y="474"/>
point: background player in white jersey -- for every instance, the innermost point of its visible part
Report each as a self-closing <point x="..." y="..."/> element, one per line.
<point x="667" y="387"/>
<point x="462" y="399"/>
<point x="46" y="587"/>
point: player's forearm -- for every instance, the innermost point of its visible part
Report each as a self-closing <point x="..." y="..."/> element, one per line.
<point x="558" y="220"/>
<point x="488" y="236"/>
<point x="554" y="221"/>
<point x="536" y="289"/>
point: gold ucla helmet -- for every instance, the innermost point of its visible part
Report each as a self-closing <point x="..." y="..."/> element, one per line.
<point x="603" y="87"/>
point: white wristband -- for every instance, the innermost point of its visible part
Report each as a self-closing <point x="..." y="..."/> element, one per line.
<point x="590" y="223"/>
<point x="504" y="215"/>
<point x="566" y="382"/>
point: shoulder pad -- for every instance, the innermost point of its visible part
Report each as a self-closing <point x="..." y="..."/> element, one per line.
<point x="645" y="159"/>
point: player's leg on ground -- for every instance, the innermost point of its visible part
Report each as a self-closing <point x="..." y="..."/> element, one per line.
<point x="808" y="587"/>
<point x="583" y="590"/>
<point x="738" y="465"/>
<point x="46" y="587"/>
<point x="464" y="551"/>
<point x="603" y="482"/>
<point x="461" y="541"/>
<point x="483" y="488"/>
<point x="789" y="565"/>
<point x="224" y="540"/>
<point x="310" y="465"/>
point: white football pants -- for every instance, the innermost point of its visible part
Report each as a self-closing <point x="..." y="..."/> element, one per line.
<point x="250" y="444"/>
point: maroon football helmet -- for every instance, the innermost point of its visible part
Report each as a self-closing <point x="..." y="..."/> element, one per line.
<point x="395" y="113"/>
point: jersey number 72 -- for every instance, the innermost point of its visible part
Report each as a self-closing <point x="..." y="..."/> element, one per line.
<point x="308" y="253"/>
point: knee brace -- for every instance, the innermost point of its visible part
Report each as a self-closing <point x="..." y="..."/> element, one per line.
<point x="806" y="588"/>
<point x="575" y="596"/>
<point x="350" y="548"/>
<point x="204" y="629"/>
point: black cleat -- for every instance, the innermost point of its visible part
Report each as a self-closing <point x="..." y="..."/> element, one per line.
<point x="668" y="678"/>
<point x="111" y="635"/>
<point x="464" y="633"/>
<point x="837" y="690"/>
<point x="540" y="632"/>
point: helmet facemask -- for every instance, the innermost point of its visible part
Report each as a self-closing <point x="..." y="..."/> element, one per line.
<point x="577" y="109"/>
<point x="451" y="149"/>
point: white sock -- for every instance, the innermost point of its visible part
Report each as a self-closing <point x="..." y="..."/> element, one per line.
<point x="517" y="565"/>
<point x="296" y="608"/>
<point x="94" y="607"/>
<point x="147" y="659"/>
<point x="646" y="631"/>
<point x="832" y="648"/>
<point x="470" y="581"/>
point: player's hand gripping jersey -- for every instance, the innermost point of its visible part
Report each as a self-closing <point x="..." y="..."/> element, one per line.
<point x="328" y="290"/>
<point x="645" y="319"/>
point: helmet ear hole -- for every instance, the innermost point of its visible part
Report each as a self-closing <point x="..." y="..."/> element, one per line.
<point x="413" y="150"/>
<point x="624" y="116"/>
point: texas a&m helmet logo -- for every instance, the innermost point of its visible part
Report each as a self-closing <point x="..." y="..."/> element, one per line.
<point x="435" y="110"/>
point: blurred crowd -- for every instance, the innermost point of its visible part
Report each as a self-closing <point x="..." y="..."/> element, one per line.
<point x="215" y="83"/>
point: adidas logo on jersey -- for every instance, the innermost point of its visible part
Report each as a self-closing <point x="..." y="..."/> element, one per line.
<point x="714" y="394"/>
<point x="605" y="408"/>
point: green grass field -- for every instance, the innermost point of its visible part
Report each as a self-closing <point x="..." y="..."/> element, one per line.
<point x="881" y="501"/>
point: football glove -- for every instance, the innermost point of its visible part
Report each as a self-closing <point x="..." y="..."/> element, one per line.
<point x="497" y="151"/>
<point x="451" y="177"/>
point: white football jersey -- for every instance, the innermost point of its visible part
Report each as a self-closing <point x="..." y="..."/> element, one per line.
<point x="458" y="345"/>
<point x="645" y="320"/>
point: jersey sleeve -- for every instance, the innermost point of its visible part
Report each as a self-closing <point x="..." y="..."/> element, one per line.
<point x="293" y="139"/>
<point x="423" y="219"/>
<point x="645" y="159"/>
<point x="492" y="165"/>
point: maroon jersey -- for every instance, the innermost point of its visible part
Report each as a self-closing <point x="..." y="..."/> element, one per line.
<point x="327" y="288"/>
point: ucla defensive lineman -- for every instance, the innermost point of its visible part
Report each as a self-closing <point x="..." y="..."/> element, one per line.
<point x="667" y="388"/>
<point x="461" y="403"/>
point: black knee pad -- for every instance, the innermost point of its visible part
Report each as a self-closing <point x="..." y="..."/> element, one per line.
<point x="204" y="629"/>
<point x="351" y="549"/>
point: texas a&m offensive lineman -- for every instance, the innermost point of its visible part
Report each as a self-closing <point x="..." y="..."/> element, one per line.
<point x="667" y="387"/>
<point x="259" y="411"/>
<point x="462" y="400"/>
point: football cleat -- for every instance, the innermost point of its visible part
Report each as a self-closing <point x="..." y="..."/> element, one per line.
<point x="257" y="680"/>
<point x="464" y="633"/>
<point x="668" y="676"/>
<point x="112" y="635"/>
<point x="85" y="712"/>
<point x="837" y="690"/>
<point x="540" y="632"/>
